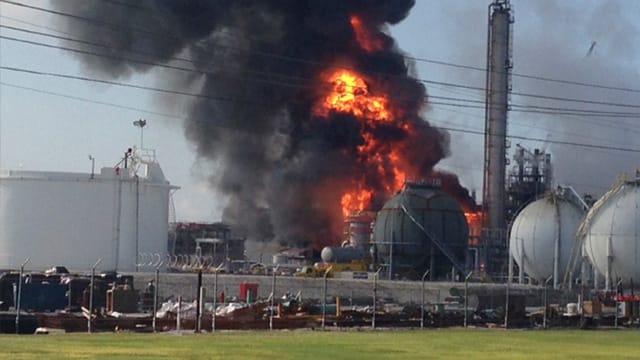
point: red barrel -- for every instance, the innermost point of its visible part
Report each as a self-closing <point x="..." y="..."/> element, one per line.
<point x="246" y="288"/>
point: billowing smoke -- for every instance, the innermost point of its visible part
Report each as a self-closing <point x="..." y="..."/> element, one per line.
<point x="259" y="66"/>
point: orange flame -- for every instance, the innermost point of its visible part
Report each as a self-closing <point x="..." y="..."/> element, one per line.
<point x="364" y="36"/>
<point x="474" y="221"/>
<point x="357" y="200"/>
<point x="349" y="93"/>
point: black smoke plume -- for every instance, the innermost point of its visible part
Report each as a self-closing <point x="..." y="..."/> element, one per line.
<point x="257" y="64"/>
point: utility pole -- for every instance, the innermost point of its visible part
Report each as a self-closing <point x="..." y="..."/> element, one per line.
<point x="19" y="296"/>
<point x="91" y="284"/>
<point x="424" y="276"/>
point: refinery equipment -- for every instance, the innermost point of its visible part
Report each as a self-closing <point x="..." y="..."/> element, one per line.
<point x="353" y="255"/>
<point x="610" y="233"/>
<point x="420" y="229"/>
<point x="498" y="86"/>
<point x="529" y="178"/>
<point x="357" y="242"/>
<point x="74" y="219"/>
<point x="542" y="235"/>
<point x="207" y="244"/>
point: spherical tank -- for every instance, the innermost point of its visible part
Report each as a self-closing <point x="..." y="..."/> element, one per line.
<point x="411" y="226"/>
<point x="541" y="230"/>
<point x="612" y="233"/>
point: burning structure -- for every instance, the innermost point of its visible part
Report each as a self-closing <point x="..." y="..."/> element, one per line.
<point x="307" y="108"/>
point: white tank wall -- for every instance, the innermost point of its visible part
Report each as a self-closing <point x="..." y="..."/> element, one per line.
<point x="616" y="221"/>
<point x="72" y="220"/>
<point x="535" y="230"/>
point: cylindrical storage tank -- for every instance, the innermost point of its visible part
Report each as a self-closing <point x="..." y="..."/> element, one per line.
<point x="280" y="259"/>
<point x="342" y="254"/>
<point x="542" y="232"/>
<point x="401" y="246"/>
<point x="74" y="219"/>
<point x="612" y="234"/>
<point x="360" y="230"/>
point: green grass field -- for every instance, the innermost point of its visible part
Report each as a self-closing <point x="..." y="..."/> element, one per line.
<point x="352" y="345"/>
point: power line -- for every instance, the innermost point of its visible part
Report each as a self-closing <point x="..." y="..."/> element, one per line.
<point x="87" y="100"/>
<point x="525" y="76"/>
<point x="114" y="27"/>
<point x="559" y="142"/>
<point x="218" y="98"/>
<point x="141" y="87"/>
<point x="94" y="101"/>
<point x="221" y="98"/>
<point x="101" y="102"/>
<point x="514" y="107"/>
<point x="454" y="65"/>
<point x="129" y="59"/>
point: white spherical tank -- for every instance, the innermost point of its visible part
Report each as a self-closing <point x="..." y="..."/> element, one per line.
<point x="543" y="231"/>
<point x="74" y="219"/>
<point x="612" y="234"/>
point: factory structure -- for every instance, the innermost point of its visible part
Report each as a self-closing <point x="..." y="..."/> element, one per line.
<point x="525" y="230"/>
<point x="76" y="219"/>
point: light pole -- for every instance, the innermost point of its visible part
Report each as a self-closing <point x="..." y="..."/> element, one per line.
<point x="546" y="301"/>
<point x="273" y="295"/>
<point x="375" y="290"/>
<point x="93" y="274"/>
<point x="198" y="324"/>
<point x="141" y="123"/>
<point x="506" y="305"/>
<point x="93" y="166"/>
<point x="215" y="300"/>
<point x="422" y="300"/>
<point x="324" y="296"/>
<point x="19" y="296"/>
<point x="466" y="297"/>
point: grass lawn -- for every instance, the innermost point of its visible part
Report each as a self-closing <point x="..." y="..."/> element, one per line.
<point x="429" y="344"/>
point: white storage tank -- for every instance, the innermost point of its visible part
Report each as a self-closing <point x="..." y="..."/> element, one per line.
<point x="74" y="219"/>
<point x="543" y="234"/>
<point x="611" y="234"/>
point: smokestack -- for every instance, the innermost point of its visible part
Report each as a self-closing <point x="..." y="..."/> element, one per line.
<point x="497" y="90"/>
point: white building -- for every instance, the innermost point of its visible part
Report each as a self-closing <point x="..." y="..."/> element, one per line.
<point x="74" y="219"/>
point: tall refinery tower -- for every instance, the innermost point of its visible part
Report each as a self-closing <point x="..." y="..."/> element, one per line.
<point x="498" y="85"/>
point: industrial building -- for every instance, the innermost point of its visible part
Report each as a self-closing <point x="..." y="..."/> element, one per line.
<point x="211" y="244"/>
<point x="75" y="219"/>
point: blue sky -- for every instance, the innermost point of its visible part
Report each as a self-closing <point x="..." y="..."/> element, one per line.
<point x="551" y="39"/>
